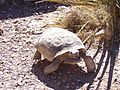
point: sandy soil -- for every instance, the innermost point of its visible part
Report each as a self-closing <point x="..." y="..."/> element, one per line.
<point x="19" y="26"/>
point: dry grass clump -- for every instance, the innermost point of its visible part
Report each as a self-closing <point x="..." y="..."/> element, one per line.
<point x="86" y="19"/>
<point x="74" y="2"/>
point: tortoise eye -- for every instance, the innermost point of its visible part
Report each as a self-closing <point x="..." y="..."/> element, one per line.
<point x="74" y="54"/>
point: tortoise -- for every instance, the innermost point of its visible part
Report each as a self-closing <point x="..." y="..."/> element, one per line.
<point x="59" y="45"/>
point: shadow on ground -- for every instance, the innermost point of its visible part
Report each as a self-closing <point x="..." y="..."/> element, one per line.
<point x="111" y="54"/>
<point x="72" y="77"/>
<point x="67" y="77"/>
<point x="25" y="9"/>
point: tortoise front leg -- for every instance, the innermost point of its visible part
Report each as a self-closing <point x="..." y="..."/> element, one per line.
<point x="90" y="64"/>
<point x="52" y="67"/>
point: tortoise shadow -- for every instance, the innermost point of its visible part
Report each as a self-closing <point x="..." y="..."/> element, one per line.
<point x="25" y="9"/>
<point x="72" y="77"/>
<point x="67" y="77"/>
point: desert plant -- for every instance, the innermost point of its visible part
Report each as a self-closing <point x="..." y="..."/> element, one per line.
<point x="113" y="10"/>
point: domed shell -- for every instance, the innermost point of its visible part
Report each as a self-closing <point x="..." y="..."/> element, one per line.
<point x="56" y="41"/>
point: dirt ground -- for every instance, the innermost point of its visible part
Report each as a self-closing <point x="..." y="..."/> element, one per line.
<point x="21" y="24"/>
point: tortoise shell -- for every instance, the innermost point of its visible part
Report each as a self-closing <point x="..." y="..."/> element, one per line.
<point x="57" y="41"/>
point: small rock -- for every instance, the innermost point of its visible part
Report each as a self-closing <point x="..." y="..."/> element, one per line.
<point x="15" y="21"/>
<point x="37" y="32"/>
<point x="14" y="55"/>
<point x="64" y="81"/>
<point x="58" y="77"/>
<point x="67" y="86"/>
<point x="80" y="81"/>
<point x="58" y="84"/>
<point x="73" y="83"/>
<point x="115" y="80"/>
<point x="1" y="32"/>
<point x="95" y="80"/>
<point x="5" y="40"/>
<point x="20" y="81"/>
<point x="68" y="72"/>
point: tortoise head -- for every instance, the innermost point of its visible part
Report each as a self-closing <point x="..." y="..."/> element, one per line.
<point x="70" y="57"/>
<point x="73" y="53"/>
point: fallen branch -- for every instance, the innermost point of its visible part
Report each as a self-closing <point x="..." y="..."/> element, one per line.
<point x="83" y="27"/>
<point x="90" y="36"/>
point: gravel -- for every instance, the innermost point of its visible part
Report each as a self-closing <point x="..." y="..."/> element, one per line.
<point x="19" y="27"/>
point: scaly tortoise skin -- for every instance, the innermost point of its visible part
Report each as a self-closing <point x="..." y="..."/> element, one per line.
<point x="58" y="45"/>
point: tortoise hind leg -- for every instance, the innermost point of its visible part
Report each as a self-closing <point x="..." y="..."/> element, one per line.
<point x="37" y="55"/>
<point x="52" y="67"/>
<point x="90" y="64"/>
